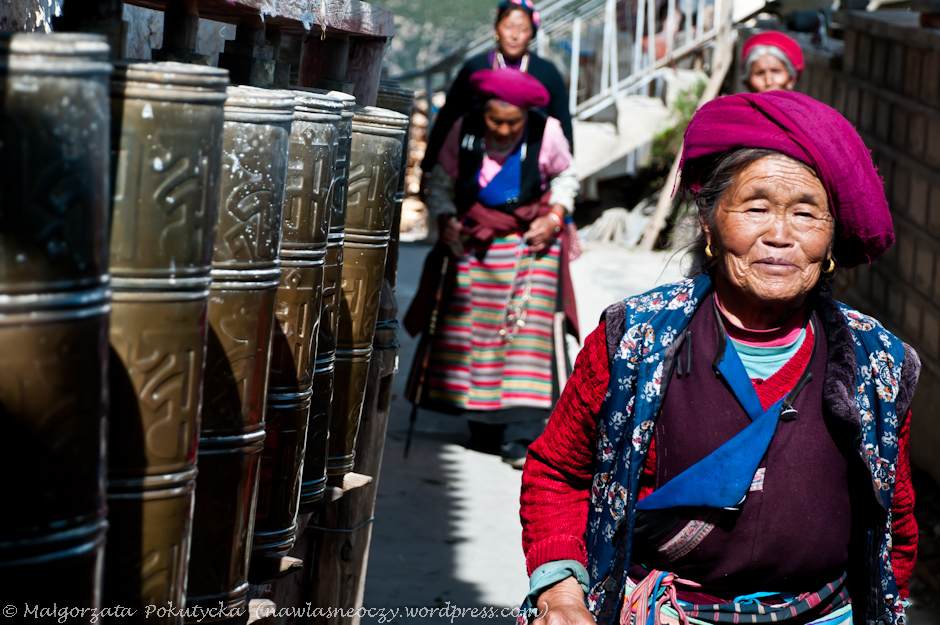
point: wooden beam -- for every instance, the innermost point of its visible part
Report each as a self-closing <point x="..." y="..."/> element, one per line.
<point x="350" y="17"/>
<point x="364" y="70"/>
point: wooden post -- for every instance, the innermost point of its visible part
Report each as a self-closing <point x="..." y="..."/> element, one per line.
<point x="103" y="17"/>
<point x="365" y="68"/>
<point x="180" y="32"/>
<point x="323" y="62"/>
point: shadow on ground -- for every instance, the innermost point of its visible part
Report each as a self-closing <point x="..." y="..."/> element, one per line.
<point x="446" y="532"/>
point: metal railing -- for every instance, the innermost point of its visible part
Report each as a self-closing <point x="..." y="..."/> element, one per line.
<point x="655" y="25"/>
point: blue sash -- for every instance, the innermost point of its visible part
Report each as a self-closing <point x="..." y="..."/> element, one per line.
<point x="723" y="478"/>
<point x="504" y="187"/>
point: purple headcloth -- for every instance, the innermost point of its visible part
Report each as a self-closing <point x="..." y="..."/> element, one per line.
<point x="507" y="5"/>
<point x="808" y="131"/>
<point x="511" y="86"/>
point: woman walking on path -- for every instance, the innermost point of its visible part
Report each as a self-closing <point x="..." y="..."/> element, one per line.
<point x="733" y="448"/>
<point x="501" y="191"/>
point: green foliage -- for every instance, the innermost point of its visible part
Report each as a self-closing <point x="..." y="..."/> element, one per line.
<point x="428" y="30"/>
<point x="667" y="142"/>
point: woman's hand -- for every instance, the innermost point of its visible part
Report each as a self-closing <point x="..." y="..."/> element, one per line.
<point x="449" y="230"/>
<point x="563" y="604"/>
<point x="543" y="230"/>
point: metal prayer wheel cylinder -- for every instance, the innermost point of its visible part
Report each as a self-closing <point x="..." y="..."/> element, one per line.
<point x="54" y="139"/>
<point x="166" y="149"/>
<point x="375" y="160"/>
<point x="313" y="483"/>
<point x="245" y="274"/>
<point x="395" y="98"/>
<point x="307" y="207"/>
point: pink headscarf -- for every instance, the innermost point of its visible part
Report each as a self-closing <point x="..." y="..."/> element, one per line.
<point x="511" y="86"/>
<point x="813" y="133"/>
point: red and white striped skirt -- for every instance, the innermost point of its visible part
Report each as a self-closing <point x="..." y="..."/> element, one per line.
<point x="472" y="366"/>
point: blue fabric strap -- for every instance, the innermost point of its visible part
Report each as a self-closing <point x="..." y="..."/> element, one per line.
<point x="723" y="478"/>
<point x="504" y="188"/>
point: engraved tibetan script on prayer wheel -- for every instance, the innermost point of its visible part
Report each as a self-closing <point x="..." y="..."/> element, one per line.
<point x="166" y="148"/>
<point x="313" y="484"/>
<point x="54" y="181"/>
<point x="245" y="275"/>
<point x="307" y="208"/>
<point x="375" y="159"/>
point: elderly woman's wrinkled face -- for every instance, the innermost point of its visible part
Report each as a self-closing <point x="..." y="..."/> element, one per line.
<point x="772" y="232"/>
<point x="504" y="124"/>
<point x="515" y="32"/>
<point x="768" y="73"/>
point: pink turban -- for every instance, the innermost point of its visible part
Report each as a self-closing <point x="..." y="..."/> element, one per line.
<point x="786" y="44"/>
<point x="813" y="133"/>
<point x="510" y="86"/>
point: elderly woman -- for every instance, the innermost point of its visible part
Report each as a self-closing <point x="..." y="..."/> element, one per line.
<point x="501" y="191"/>
<point x="772" y="61"/>
<point x="517" y="21"/>
<point x="733" y="448"/>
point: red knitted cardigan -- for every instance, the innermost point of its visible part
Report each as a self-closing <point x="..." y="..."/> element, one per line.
<point x="557" y="476"/>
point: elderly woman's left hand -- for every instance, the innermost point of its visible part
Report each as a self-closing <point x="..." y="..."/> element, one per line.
<point x="563" y="604"/>
<point x="543" y="230"/>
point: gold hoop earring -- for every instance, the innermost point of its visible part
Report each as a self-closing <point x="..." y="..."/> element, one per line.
<point x="831" y="266"/>
<point x="709" y="251"/>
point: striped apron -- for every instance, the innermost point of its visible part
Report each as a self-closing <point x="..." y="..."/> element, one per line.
<point x="480" y="359"/>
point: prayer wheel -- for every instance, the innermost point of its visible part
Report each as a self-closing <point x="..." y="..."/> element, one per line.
<point x="245" y="276"/>
<point x="393" y="97"/>
<point x="378" y="136"/>
<point x="54" y="305"/>
<point x="166" y="152"/>
<point x="307" y="208"/>
<point x="313" y="484"/>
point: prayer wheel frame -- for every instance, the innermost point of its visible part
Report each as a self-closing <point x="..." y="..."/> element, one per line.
<point x="341" y="49"/>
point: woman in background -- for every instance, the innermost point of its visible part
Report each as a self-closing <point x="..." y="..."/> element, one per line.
<point x="517" y="21"/>
<point x="772" y="61"/>
<point x="500" y="192"/>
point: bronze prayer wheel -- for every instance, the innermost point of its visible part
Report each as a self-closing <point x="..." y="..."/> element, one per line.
<point x="166" y="150"/>
<point x="245" y="274"/>
<point x="394" y="97"/>
<point x="307" y="207"/>
<point x="375" y="159"/>
<point x="54" y="140"/>
<point x="313" y="484"/>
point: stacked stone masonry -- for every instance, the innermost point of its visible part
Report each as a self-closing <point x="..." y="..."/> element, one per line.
<point x="885" y="79"/>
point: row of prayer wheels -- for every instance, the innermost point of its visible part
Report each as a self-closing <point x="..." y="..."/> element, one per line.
<point x="189" y="287"/>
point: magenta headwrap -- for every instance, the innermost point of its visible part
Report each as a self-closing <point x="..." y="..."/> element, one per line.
<point x="809" y="131"/>
<point x="511" y="86"/>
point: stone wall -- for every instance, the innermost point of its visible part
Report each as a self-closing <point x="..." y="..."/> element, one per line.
<point x="886" y="81"/>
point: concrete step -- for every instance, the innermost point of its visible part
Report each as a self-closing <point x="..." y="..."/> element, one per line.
<point x="600" y="145"/>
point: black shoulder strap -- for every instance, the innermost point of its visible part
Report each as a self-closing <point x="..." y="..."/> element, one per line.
<point x="530" y="185"/>
<point x="470" y="160"/>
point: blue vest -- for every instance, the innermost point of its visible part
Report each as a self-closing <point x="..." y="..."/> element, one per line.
<point x="628" y="415"/>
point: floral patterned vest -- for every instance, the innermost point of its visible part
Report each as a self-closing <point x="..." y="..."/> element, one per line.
<point x="625" y="427"/>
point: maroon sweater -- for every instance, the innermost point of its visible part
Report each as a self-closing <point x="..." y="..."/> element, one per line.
<point x="560" y="467"/>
